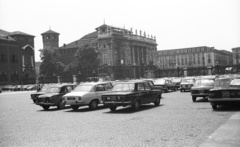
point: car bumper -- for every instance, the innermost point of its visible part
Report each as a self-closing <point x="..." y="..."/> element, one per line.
<point x="185" y="88"/>
<point x="112" y="103"/>
<point x="47" y="104"/>
<point x="224" y="99"/>
<point x="201" y="95"/>
<point x="74" y="103"/>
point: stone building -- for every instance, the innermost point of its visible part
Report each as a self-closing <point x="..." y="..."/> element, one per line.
<point x="122" y="54"/>
<point x="17" y="60"/>
<point x="193" y="61"/>
<point x="236" y="58"/>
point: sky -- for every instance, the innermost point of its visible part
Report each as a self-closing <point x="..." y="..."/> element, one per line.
<point x="175" y="23"/>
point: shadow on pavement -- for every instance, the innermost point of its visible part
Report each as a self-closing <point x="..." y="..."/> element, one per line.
<point x="86" y="109"/>
<point x="51" y="109"/>
<point x="129" y="110"/>
<point x="202" y="100"/>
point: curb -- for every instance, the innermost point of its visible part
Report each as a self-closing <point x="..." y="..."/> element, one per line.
<point x="227" y="135"/>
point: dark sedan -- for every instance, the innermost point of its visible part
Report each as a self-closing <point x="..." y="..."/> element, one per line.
<point x="53" y="96"/>
<point x="42" y="90"/>
<point x="201" y="88"/>
<point x="131" y="93"/>
<point x="166" y="84"/>
<point x="226" y="91"/>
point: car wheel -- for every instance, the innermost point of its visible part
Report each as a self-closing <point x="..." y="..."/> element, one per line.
<point x="74" y="107"/>
<point x="157" y="102"/>
<point x="214" y="106"/>
<point x="61" y="105"/>
<point x="181" y="90"/>
<point x="113" y="108"/>
<point x="194" y="98"/>
<point x="34" y="101"/>
<point x="136" y="105"/>
<point x="93" y="105"/>
<point x="45" y="107"/>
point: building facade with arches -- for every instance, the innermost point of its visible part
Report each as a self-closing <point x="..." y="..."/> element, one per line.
<point x="17" y="60"/>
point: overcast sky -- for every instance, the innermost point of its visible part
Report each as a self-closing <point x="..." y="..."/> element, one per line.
<point x="175" y="23"/>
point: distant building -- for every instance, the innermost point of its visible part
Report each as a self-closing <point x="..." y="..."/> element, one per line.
<point x="193" y="61"/>
<point x="122" y="54"/>
<point x="16" y="58"/>
<point x="236" y="58"/>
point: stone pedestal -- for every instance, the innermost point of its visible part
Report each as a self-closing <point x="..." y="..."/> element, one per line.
<point x="74" y="79"/>
<point x="59" y="79"/>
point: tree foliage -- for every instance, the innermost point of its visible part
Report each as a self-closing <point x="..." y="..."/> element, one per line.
<point x="86" y="60"/>
<point x="51" y="63"/>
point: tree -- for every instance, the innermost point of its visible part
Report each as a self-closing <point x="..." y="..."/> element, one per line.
<point x="86" y="60"/>
<point x="51" y="62"/>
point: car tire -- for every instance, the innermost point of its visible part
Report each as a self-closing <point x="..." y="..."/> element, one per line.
<point x="157" y="102"/>
<point x="61" y="105"/>
<point x="45" y="107"/>
<point x="34" y="101"/>
<point x="136" y="105"/>
<point x="181" y="90"/>
<point x="214" y="106"/>
<point x="74" y="107"/>
<point x="93" y="105"/>
<point x="194" y="98"/>
<point x="113" y="108"/>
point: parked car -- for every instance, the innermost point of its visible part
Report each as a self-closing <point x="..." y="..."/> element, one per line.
<point x="201" y="88"/>
<point x="42" y="90"/>
<point x="151" y="83"/>
<point x="226" y="91"/>
<point x="131" y="93"/>
<point x="166" y="84"/>
<point x="186" y="84"/>
<point x="53" y="96"/>
<point x="32" y="87"/>
<point x="177" y="81"/>
<point x="87" y="94"/>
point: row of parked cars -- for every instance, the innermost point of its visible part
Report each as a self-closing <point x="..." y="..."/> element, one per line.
<point x="28" y="87"/>
<point x="219" y="90"/>
<point x="132" y="93"/>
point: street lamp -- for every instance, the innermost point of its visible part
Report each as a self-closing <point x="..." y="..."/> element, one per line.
<point x="217" y="67"/>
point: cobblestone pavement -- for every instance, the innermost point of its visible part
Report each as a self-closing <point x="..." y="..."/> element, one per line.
<point x="176" y="122"/>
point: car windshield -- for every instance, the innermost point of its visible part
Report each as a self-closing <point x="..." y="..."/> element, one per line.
<point x="123" y="87"/>
<point x="204" y="82"/>
<point x="222" y="82"/>
<point x="85" y="88"/>
<point x="53" y="90"/>
<point x="188" y="80"/>
<point x="235" y="82"/>
<point x="159" y="82"/>
<point x="176" y="80"/>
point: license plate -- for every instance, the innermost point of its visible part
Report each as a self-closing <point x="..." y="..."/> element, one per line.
<point x="71" y="98"/>
<point x="225" y="94"/>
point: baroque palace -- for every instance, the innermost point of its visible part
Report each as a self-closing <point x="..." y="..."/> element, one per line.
<point x="122" y="53"/>
<point x="17" y="60"/>
<point x="127" y="55"/>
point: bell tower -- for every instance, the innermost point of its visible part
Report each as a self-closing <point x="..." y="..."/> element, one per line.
<point x="50" y="39"/>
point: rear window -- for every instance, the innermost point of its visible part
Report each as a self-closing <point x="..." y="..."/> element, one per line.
<point x="222" y="82"/>
<point x="204" y="82"/>
<point x="123" y="87"/>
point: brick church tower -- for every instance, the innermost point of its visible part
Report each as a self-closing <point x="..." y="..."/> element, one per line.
<point x="50" y="39"/>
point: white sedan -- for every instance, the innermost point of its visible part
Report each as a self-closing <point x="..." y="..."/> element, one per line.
<point x="87" y="94"/>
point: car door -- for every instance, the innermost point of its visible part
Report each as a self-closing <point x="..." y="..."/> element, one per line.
<point x="99" y="91"/>
<point x="142" y="93"/>
<point x="149" y="94"/>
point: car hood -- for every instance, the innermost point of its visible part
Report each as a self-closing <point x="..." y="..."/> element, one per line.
<point x="48" y="95"/>
<point x="201" y="87"/>
<point x="119" y="93"/>
<point x="225" y="88"/>
<point x="79" y="93"/>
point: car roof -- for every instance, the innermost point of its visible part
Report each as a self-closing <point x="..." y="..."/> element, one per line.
<point x="95" y="83"/>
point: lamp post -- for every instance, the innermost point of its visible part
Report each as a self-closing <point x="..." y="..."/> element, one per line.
<point x="217" y="67"/>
